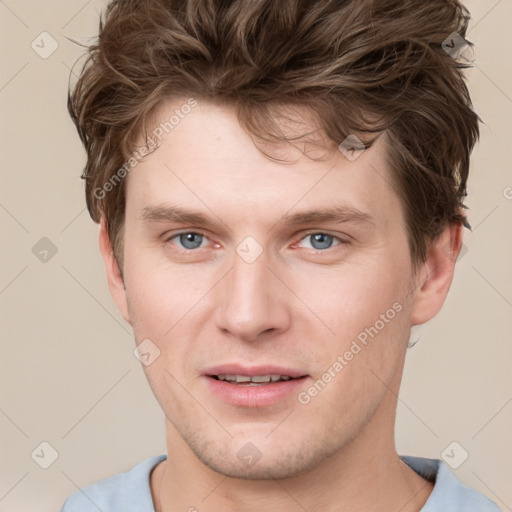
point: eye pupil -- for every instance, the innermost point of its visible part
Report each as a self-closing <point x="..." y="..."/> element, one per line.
<point x="321" y="240"/>
<point x="191" y="240"/>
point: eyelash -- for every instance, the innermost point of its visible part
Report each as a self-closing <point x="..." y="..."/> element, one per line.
<point x="314" y="251"/>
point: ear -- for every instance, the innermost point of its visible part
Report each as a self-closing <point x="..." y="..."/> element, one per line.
<point x="114" y="277"/>
<point x="436" y="274"/>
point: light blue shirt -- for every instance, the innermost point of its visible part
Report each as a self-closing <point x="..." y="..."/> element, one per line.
<point x="131" y="492"/>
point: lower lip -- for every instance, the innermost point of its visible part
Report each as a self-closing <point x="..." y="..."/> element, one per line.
<point x="263" y="395"/>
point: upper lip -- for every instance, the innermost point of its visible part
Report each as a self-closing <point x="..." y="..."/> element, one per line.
<point x="251" y="371"/>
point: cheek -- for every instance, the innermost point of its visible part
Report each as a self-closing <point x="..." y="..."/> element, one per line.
<point x="359" y="367"/>
<point x="168" y="305"/>
<point x="158" y="293"/>
<point x="352" y="298"/>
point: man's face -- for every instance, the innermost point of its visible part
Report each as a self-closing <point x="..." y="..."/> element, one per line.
<point x="261" y="289"/>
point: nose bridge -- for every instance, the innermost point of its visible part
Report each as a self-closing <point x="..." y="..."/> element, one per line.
<point x="250" y="303"/>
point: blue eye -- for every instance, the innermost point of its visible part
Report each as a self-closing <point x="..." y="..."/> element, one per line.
<point x="321" y="241"/>
<point x="189" y="240"/>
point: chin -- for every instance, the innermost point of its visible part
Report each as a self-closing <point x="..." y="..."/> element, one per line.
<point x="260" y="460"/>
<point x="260" y="471"/>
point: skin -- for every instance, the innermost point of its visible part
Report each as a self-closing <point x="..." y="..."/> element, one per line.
<point x="293" y="306"/>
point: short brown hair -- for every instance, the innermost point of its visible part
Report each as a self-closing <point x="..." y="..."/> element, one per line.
<point x="362" y="67"/>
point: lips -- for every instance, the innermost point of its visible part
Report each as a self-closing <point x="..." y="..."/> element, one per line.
<point x="256" y="374"/>
<point x="253" y="386"/>
<point x="255" y="380"/>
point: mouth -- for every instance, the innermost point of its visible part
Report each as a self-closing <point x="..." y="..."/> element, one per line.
<point x="253" y="386"/>
<point x="253" y="380"/>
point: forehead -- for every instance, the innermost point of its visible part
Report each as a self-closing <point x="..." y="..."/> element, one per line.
<point x="207" y="159"/>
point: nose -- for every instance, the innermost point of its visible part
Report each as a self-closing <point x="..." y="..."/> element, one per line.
<point x="252" y="301"/>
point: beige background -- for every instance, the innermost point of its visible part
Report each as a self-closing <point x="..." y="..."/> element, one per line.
<point x="68" y="375"/>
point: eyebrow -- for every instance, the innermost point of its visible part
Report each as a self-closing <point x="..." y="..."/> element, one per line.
<point x="335" y="214"/>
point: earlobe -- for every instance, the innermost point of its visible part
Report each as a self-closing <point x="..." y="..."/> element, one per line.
<point x="114" y="277"/>
<point x="436" y="274"/>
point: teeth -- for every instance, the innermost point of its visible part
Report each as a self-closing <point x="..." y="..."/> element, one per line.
<point x="257" y="379"/>
<point x="263" y="378"/>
